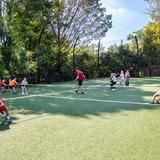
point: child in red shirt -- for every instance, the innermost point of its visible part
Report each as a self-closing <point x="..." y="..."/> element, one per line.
<point x="80" y="77"/>
<point x="2" y="86"/>
<point x="4" y="112"/>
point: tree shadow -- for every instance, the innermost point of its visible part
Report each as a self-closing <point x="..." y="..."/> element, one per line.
<point x="4" y="127"/>
<point x="84" y="105"/>
<point x="81" y="105"/>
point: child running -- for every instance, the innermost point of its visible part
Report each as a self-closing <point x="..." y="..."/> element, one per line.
<point x="80" y="77"/>
<point x="4" y="112"/>
<point x="12" y="84"/>
<point x="24" y="85"/>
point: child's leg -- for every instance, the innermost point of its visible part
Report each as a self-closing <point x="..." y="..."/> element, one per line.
<point x="22" y="89"/>
<point x="2" y="112"/>
<point x="81" y="89"/>
<point x="114" y="85"/>
<point x="5" y="112"/>
<point x="14" y="90"/>
<point x="120" y="83"/>
<point x="79" y="86"/>
<point x="127" y="82"/>
<point x="25" y="89"/>
<point x="111" y="84"/>
<point x="7" y="117"/>
<point x="3" y="89"/>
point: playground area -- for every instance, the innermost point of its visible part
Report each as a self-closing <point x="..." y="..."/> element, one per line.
<point x="54" y="122"/>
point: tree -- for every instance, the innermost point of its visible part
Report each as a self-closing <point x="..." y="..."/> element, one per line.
<point x="151" y="46"/>
<point x="154" y="9"/>
<point x="85" y="20"/>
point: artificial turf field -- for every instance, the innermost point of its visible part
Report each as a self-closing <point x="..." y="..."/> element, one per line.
<point x="54" y="123"/>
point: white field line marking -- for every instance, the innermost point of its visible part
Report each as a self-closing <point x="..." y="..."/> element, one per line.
<point x="99" y="100"/>
<point x="145" y="79"/>
<point x="68" y="85"/>
<point x="47" y="94"/>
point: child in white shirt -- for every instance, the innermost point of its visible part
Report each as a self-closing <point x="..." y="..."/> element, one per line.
<point x="24" y="85"/>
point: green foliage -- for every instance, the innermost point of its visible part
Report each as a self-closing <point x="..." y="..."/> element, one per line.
<point x="46" y="40"/>
<point x="38" y="37"/>
<point x="154" y="9"/>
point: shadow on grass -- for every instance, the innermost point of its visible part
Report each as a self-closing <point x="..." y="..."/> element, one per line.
<point x="4" y="127"/>
<point x="81" y="107"/>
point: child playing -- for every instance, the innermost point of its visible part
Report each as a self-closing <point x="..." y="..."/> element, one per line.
<point x="113" y="81"/>
<point x="12" y="83"/>
<point x="122" y="79"/>
<point x="127" y="77"/>
<point x="80" y="77"/>
<point x="4" y="112"/>
<point x="2" y="86"/>
<point x="154" y="98"/>
<point x="24" y="85"/>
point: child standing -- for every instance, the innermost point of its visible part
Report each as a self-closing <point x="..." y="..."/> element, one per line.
<point x="127" y="77"/>
<point x="122" y="79"/>
<point x="24" y="85"/>
<point x="113" y="81"/>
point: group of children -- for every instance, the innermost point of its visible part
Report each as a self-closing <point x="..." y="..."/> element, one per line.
<point x="123" y="79"/>
<point x="11" y="85"/>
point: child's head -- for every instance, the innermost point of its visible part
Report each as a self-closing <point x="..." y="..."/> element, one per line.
<point x="77" y="69"/>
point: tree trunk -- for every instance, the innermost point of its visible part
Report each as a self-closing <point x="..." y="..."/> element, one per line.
<point x="38" y="56"/>
<point x="98" y="67"/>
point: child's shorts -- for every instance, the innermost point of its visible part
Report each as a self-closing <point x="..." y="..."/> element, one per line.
<point x="11" y="87"/>
<point x="3" y="108"/>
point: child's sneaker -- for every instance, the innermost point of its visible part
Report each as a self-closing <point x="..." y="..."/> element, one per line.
<point x="23" y="93"/>
<point x="3" y="92"/>
<point x="8" y="119"/>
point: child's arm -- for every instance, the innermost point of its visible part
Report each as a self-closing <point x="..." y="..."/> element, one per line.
<point x="77" y="77"/>
<point x="1" y="102"/>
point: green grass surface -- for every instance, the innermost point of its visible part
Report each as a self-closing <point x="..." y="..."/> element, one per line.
<point x="64" y="125"/>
